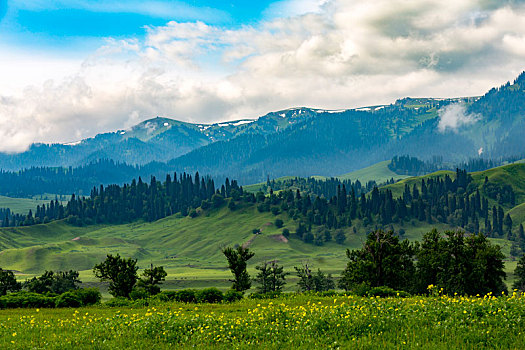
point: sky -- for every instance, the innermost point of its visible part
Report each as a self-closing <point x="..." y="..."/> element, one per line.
<point x="73" y="68"/>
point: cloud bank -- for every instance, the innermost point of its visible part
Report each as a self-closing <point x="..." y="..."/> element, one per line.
<point x="454" y="116"/>
<point x="342" y="54"/>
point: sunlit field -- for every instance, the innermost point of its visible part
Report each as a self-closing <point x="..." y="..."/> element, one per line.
<point x="291" y="321"/>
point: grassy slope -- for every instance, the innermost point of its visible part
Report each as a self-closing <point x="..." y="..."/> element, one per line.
<point x="20" y="205"/>
<point x="513" y="174"/>
<point x="378" y="172"/>
<point x="518" y="214"/>
<point x="187" y="247"/>
<point x="398" y="188"/>
<point x="190" y="248"/>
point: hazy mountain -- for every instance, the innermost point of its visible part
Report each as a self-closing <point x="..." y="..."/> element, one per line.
<point x="332" y="143"/>
<point x="304" y="141"/>
<point x="158" y="139"/>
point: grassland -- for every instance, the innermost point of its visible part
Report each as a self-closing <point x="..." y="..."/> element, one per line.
<point x="293" y="321"/>
<point x="20" y="205"/>
<point x="189" y="248"/>
<point x="379" y="172"/>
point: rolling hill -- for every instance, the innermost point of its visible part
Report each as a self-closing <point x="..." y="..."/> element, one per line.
<point x="190" y="248"/>
<point x="183" y="245"/>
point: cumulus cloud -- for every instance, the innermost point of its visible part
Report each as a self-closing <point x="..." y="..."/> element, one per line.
<point x="341" y="54"/>
<point x="454" y="116"/>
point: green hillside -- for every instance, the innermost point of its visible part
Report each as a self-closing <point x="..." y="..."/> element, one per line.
<point x="512" y="174"/>
<point x="398" y="188"/>
<point x="518" y="214"/>
<point x="379" y="173"/>
<point x="186" y="246"/>
<point x="20" y="205"/>
<point x="190" y="248"/>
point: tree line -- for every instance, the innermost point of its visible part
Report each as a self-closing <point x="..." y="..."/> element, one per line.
<point x="138" y="200"/>
<point x="321" y="209"/>
<point x="454" y="201"/>
<point x="408" y="165"/>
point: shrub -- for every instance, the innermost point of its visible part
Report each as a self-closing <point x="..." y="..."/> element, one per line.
<point x="286" y="232"/>
<point x="193" y="213"/>
<point x="88" y="296"/>
<point x="138" y="293"/>
<point x="279" y="223"/>
<point x="205" y="204"/>
<point x="275" y="211"/>
<point x="26" y="299"/>
<point x="232" y="295"/>
<point x="209" y="295"/>
<point x="186" y="296"/>
<point x="217" y="200"/>
<point x="167" y="295"/>
<point x="68" y="299"/>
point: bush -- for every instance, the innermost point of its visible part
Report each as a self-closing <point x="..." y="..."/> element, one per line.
<point x="205" y="204"/>
<point x="118" y="302"/>
<point x="88" y="296"/>
<point x="138" y="293"/>
<point x="186" y="296"/>
<point x="360" y="289"/>
<point x="275" y="211"/>
<point x="286" y="232"/>
<point x="167" y="295"/>
<point x="328" y="293"/>
<point x="68" y="299"/>
<point x="26" y="299"/>
<point x="217" y="200"/>
<point x="209" y="295"/>
<point x="279" y="223"/>
<point x="232" y="295"/>
<point x="193" y="213"/>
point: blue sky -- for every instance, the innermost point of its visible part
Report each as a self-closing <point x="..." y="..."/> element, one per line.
<point x="63" y="25"/>
<point x="73" y="68"/>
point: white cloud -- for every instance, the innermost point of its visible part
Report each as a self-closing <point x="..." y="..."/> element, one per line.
<point x="339" y="54"/>
<point x="454" y="116"/>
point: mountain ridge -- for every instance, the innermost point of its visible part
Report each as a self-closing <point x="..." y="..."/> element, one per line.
<point x="306" y="141"/>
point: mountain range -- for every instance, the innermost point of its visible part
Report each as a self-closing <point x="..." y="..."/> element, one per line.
<point x="306" y="141"/>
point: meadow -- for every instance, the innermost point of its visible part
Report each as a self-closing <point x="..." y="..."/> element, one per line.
<point x="290" y="321"/>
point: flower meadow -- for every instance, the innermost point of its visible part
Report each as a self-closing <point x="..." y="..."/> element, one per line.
<point x="290" y="321"/>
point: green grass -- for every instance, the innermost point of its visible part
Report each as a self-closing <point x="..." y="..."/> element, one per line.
<point x="378" y="172"/>
<point x="399" y="187"/>
<point x="290" y="322"/>
<point x="188" y="247"/>
<point x="21" y="205"/>
<point x="518" y="214"/>
<point x="512" y="174"/>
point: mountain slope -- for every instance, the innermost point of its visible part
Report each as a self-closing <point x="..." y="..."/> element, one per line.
<point x="333" y="143"/>
<point x="180" y="244"/>
<point x="306" y="142"/>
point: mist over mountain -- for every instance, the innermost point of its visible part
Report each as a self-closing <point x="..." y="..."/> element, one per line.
<point x="305" y="141"/>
